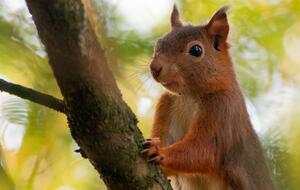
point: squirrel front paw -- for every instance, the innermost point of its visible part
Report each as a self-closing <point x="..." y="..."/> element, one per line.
<point x="151" y="149"/>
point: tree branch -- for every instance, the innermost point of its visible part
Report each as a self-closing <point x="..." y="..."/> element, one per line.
<point x="32" y="95"/>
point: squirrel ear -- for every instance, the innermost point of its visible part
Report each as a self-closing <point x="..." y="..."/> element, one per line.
<point x="218" y="25"/>
<point x="175" y="18"/>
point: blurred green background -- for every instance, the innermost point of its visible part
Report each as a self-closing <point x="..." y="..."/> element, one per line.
<point x="36" y="149"/>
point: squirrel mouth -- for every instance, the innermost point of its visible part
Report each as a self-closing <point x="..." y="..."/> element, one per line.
<point x="168" y="84"/>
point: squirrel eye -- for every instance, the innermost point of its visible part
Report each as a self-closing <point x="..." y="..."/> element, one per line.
<point x="196" y="51"/>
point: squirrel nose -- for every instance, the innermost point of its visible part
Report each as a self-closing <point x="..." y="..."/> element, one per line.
<point x="155" y="70"/>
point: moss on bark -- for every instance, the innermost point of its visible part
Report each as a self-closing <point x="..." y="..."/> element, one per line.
<point x="100" y="121"/>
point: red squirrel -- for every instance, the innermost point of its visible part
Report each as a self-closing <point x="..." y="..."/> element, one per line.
<point x="202" y="136"/>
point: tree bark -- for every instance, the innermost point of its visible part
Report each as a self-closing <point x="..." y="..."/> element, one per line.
<point x="100" y="121"/>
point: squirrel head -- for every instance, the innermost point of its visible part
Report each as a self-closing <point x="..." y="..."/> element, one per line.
<point x="194" y="58"/>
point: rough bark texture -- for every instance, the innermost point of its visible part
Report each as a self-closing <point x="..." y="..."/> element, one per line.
<point x="101" y="123"/>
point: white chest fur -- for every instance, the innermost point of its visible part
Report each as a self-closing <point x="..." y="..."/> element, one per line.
<point x="182" y="114"/>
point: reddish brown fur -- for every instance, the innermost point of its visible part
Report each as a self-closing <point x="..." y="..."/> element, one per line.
<point x="220" y="143"/>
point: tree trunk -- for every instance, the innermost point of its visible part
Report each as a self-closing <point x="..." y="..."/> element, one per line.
<point x="101" y="123"/>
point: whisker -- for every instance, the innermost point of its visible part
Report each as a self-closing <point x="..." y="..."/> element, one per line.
<point x="135" y="74"/>
<point x="143" y="82"/>
<point x="149" y="87"/>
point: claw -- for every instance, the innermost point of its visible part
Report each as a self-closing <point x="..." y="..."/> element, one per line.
<point x="152" y="159"/>
<point x="144" y="151"/>
<point x="151" y="150"/>
<point x="156" y="158"/>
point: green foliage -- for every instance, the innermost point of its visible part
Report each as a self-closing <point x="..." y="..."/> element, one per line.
<point x="262" y="36"/>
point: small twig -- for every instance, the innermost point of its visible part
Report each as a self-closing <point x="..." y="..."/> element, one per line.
<point x="33" y="95"/>
<point x="81" y="152"/>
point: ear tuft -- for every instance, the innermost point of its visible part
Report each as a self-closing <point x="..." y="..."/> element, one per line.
<point x="218" y="24"/>
<point x="175" y="18"/>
